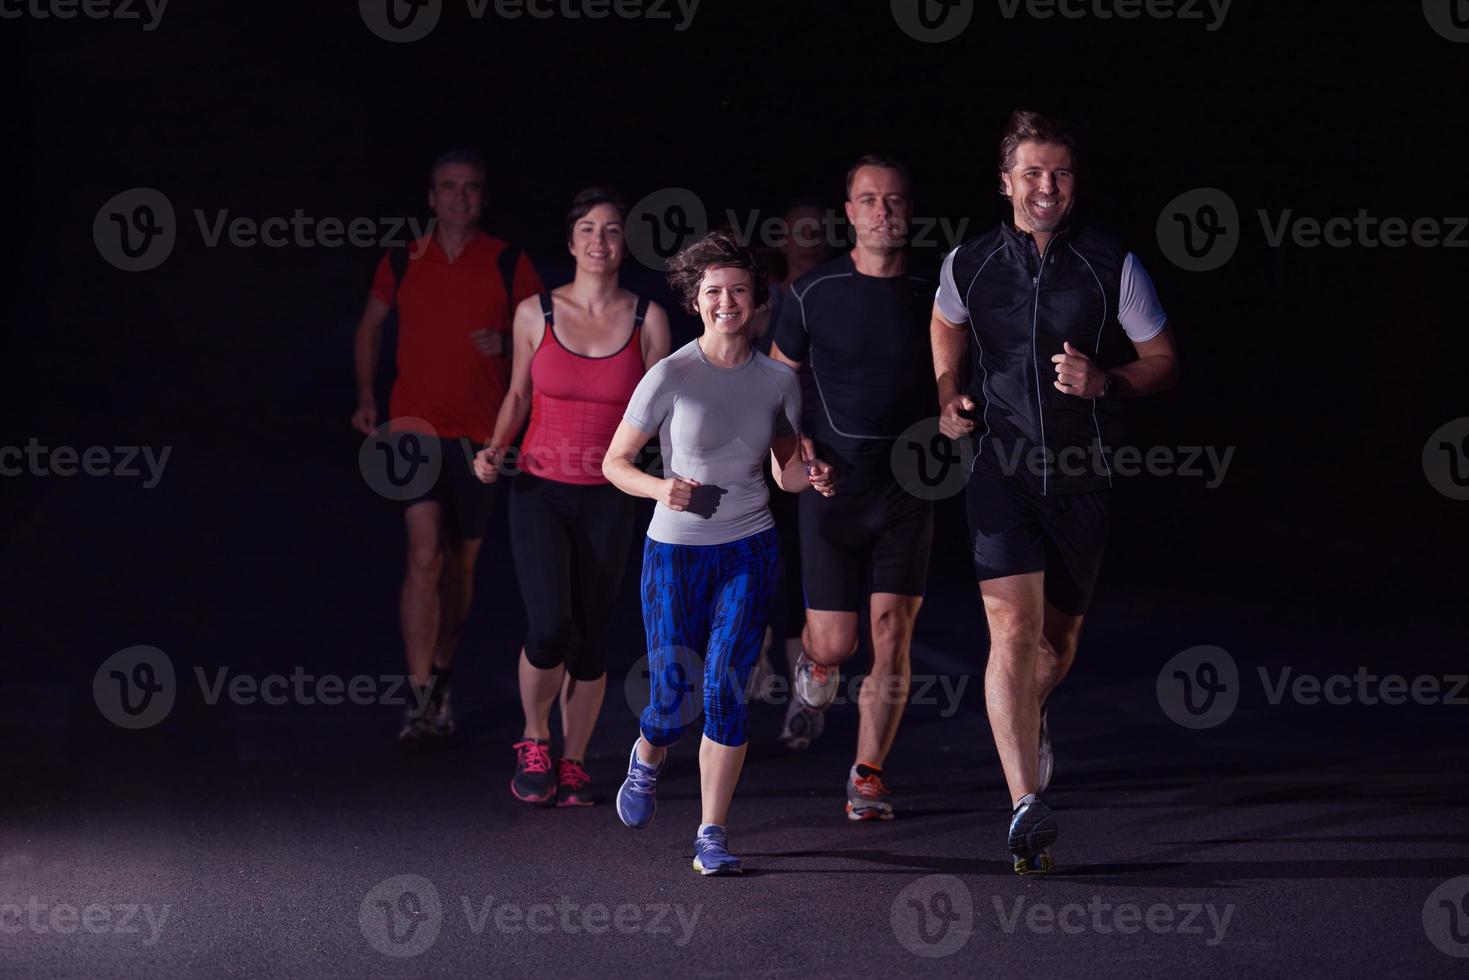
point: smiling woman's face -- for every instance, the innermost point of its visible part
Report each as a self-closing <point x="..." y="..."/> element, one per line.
<point x="726" y="299"/>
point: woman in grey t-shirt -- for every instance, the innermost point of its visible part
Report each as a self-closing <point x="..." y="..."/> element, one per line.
<point x="718" y="408"/>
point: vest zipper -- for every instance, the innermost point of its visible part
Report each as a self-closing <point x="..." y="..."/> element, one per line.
<point x="1035" y="309"/>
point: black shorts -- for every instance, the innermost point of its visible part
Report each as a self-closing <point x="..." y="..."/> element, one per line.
<point x="1015" y="530"/>
<point x="467" y="502"/>
<point x="863" y="541"/>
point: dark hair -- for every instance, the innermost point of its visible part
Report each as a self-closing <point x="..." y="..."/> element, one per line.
<point x="462" y="155"/>
<point x="719" y="249"/>
<point x="586" y="200"/>
<point x="886" y="162"/>
<point x="1025" y="126"/>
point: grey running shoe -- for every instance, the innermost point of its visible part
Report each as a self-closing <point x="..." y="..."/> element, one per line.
<point x="803" y="726"/>
<point x="1047" y="761"/>
<point x="417" y="727"/>
<point x="1032" y="832"/>
<point x="441" y="714"/>
<point x="816" y="686"/>
<point x="867" y="797"/>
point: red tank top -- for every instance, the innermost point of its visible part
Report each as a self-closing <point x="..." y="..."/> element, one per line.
<point x="577" y="403"/>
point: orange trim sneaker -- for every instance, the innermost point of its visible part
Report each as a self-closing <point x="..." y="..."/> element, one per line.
<point x="867" y="797"/>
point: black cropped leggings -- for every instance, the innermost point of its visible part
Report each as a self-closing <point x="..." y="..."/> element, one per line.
<point x="570" y="544"/>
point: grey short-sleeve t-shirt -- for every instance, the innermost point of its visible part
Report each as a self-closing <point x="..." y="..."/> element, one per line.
<point x="715" y="425"/>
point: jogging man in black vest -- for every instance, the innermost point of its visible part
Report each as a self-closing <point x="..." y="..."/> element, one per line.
<point x="1034" y="304"/>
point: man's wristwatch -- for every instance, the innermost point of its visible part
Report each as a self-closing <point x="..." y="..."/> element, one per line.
<point x="1109" y="386"/>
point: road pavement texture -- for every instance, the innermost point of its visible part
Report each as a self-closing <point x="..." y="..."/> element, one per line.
<point x="1266" y="832"/>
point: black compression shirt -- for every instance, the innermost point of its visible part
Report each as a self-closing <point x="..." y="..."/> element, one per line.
<point x="867" y="367"/>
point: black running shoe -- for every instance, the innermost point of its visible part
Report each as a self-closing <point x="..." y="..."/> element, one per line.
<point x="534" y="782"/>
<point x="1032" y="832"/>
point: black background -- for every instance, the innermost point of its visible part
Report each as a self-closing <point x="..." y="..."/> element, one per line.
<point x="1325" y="550"/>
<point x="1325" y="368"/>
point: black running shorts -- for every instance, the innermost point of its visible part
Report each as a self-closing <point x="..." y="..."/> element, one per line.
<point x="1015" y="530"/>
<point x="860" y="542"/>
<point x="467" y="502"/>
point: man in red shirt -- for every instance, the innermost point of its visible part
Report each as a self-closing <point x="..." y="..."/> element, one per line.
<point x="455" y="290"/>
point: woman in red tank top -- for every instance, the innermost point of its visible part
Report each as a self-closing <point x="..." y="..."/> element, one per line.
<point x="578" y="352"/>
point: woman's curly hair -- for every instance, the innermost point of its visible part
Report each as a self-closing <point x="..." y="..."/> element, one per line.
<point x="719" y="249"/>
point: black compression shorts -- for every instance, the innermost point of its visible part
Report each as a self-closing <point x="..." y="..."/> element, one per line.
<point x="1015" y="530"/>
<point x="864" y="541"/>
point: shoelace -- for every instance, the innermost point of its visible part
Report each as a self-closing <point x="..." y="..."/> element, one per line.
<point x="820" y="674"/>
<point x="642" y="777"/>
<point x="573" y="775"/>
<point x="870" y="787"/>
<point x="533" y="756"/>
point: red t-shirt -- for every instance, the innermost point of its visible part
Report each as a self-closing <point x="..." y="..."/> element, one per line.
<point x="442" y="377"/>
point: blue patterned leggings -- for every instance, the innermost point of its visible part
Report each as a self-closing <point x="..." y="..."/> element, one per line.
<point x="705" y="608"/>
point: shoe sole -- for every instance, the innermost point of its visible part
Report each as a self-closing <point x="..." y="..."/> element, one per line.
<point x="537" y="800"/>
<point x="573" y="802"/>
<point x="720" y="871"/>
<point x="806" y="703"/>
<point x="868" y="813"/>
<point x="1037" y="864"/>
